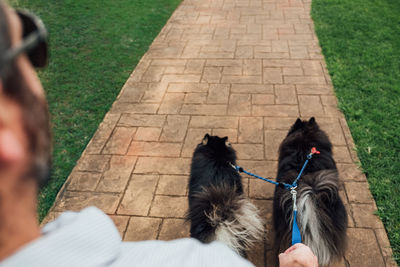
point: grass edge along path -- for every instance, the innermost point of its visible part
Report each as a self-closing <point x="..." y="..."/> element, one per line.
<point x="360" y="40"/>
<point x="95" y="45"/>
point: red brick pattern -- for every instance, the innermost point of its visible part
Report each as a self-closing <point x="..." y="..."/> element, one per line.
<point x="245" y="69"/>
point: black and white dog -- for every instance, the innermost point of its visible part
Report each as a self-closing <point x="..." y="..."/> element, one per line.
<point x="218" y="209"/>
<point x="322" y="216"/>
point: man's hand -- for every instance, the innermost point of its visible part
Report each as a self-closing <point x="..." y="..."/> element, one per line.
<point x="298" y="255"/>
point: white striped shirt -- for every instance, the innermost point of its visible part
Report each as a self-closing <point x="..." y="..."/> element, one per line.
<point x="90" y="238"/>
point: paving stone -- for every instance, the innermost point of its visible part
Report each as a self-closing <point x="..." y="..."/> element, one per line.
<point x="314" y="89"/>
<point x="304" y="80"/>
<point x="119" y="141"/>
<point x="116" y="177"/>
<point x="252" y="67"/>
<point x="214" y="122"/>
<point x="76" y="201"/>
<point x="142" y="120"/>
<point x="333" y="129"/>
<point x="86" y="181"/>
<point x="281" y="63"/>
<point x="193" y="138"/>
<point x="274" y="123"/>
<point x="174" y="69"/>
<point x="363" y="215"/>
<point x="153" y="74"/>
<point x="218" y="94"/>
<point x="244" y="51"/>
<point x="154" y="149"/>
<point x="204" y="109"/>
<point x="212" y="75"/>
<point x="249" y="151"/>
<point x="174" y="185"/>
<point x="341" y="154"/>
<point x="188" y="87"/>
<point x="275" y="110"/>
<point x="173" y="229"/>
<point x="147" y="134"/>
<point x="262" y="168"/>
<point x="102" y="134"/>
<point x="251" y="130"/>
<point x="171" y="104"/>
<point x="195" y="98"/>
<point x="310" y="106"/>
<point x="154" y="94"/>
<point x="262" y="99"/>
<point x="312" y="68"/>
<point x="363" y="245"/>
<point x="252" y="89"/>
<point x="241" y="79"/>
<point x="383" y="242"/>
<point x="162" y="165"/>
<point x="232" y="70"/>
<point x="279" y="46"/>
<point x="168" y="62"/>
<point x="350" y="172"/>
<point x="142" y="228"/>
<point x="285" y="94"/>
<point x="122" y="107"/>
<point x="168" y="206"/>
<point x="293" y="71"/>
<point x="93" y="163"/>
<point x="273" y="75"/>
<point x="139" y="195"/>
<point x="175" y="128"/>
<point x="259" y="189"/>
<point x="273" y="138"/>
<point x="239" y="104"/>
<point x="121" y="222"/>
<point x="194" y="66"/>
<point x="358" y="192"/>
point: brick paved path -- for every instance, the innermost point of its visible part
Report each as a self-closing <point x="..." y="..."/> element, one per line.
<point x="242" y="68"/>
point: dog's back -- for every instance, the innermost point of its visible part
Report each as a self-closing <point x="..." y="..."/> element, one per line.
<point x="218" y="209"/>
<point x="322" y="217"/>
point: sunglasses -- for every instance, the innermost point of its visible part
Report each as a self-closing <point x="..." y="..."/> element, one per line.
<point x="34" y="42"/>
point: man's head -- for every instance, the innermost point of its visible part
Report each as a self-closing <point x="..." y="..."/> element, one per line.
<point x="25" y="141"/>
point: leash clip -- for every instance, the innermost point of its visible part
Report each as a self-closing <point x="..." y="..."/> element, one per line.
<point x="294" y="197"/>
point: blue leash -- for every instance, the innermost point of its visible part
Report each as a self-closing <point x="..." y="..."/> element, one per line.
<point x="296" y="235"/>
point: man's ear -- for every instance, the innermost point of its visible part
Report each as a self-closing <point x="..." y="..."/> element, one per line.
<point x="11" y="149"/>
<point x="1" y="87"/>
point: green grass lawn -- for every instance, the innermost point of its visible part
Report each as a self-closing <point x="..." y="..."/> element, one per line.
<point x="361" y="43"/>
<point x="95" y="45"/>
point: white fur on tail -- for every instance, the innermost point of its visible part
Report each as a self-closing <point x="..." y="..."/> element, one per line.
<point x="310" y="225"/>
<point x="241" y="232"/>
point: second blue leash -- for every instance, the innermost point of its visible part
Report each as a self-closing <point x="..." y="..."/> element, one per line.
<point x="296" y="235"/>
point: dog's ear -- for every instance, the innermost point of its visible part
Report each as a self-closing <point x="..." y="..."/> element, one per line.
<point x="312" y="121"/>
<point x="205" y="139"/>
<point x="298" y="124"/>
<point x="227" y="143"/>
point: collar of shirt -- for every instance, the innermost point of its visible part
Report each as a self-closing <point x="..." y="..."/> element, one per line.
<point x="87" y="238"/>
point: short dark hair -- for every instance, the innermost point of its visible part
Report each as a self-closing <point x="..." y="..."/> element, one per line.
<point x="34" y="110"/>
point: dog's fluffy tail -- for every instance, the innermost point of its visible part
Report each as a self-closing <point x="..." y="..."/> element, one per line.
<point x="219" y="213"/>
<point x="322" y="216"/>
